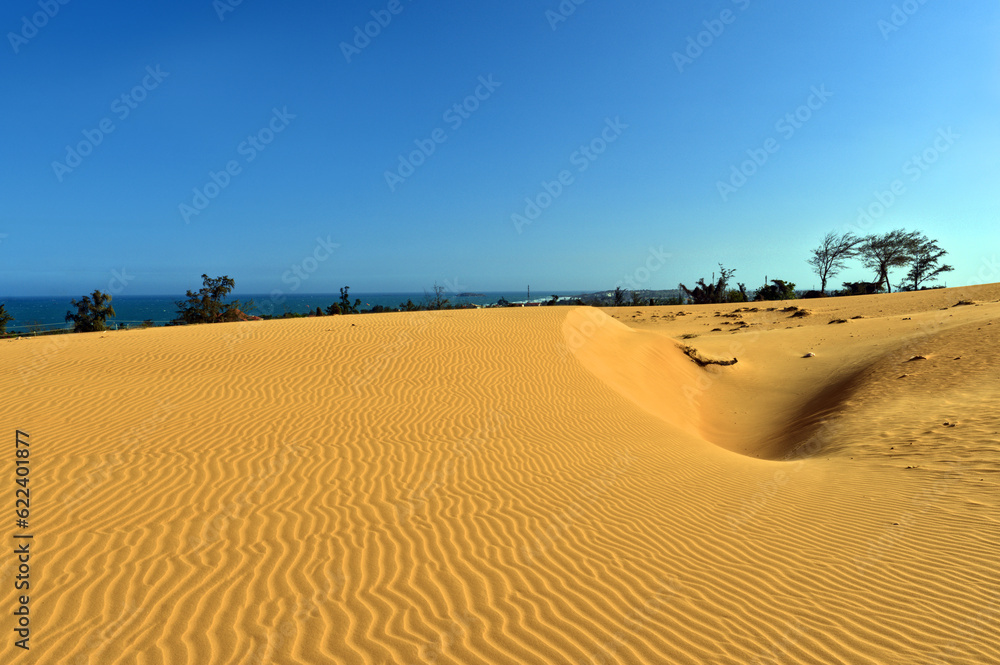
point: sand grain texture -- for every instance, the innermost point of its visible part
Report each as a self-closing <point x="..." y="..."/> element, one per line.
<point x="543" y="485"/>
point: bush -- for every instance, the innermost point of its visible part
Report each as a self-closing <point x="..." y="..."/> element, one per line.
<point x="5" y="318"/>
<point x="862" y="288"/>
<point x="777" y="290"/>
<point x="712" y="292"/>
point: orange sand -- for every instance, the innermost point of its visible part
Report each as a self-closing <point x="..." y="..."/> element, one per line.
<point x="543" y="485"/>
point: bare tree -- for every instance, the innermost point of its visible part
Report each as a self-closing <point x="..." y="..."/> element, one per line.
<point x="889" y="250"/>
<point x="924" y="263"/>
<point x="437" y="301"/>
<point x="831" y="256"/>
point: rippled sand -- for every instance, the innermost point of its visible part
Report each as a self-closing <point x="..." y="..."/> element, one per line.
<point x="538" y="485"/>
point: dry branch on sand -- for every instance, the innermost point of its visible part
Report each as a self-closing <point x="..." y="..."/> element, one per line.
<point x="702" y="361"/>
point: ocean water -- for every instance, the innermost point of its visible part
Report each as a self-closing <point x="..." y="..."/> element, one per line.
<point x="47" y="313"/>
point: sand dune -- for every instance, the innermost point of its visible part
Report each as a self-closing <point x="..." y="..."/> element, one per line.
<point x="543" y="485"/>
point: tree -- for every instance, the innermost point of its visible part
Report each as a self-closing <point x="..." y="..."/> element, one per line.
<point x="924" y="263"/>
<point x="208" y="305"/>
<point x="637" y="300"/>
<point x="437" y="301"/>
<point x="713" y="292"/>
<point x="889" y="250"/>
<point x="619" y="297"/>
<point x="5" y="318"/>
<point x="91" y="312"/>
<point x="778" y="289"/>
<point x="862" y="288"/>
<point x="345" y="302"/>
<point x="736" y="295"/>
<point x="831" y="256"/>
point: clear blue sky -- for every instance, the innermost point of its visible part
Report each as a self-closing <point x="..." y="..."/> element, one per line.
<point x="888" y="91"/>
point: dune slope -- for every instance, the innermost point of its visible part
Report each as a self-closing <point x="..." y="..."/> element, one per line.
<point x="540" y="485"/>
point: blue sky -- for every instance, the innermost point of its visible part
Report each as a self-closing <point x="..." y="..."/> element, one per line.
<point x="641" y="108"/>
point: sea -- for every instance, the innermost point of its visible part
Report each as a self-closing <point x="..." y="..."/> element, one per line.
<point x="49" y="313"/>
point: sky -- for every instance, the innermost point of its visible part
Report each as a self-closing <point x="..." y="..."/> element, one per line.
<point x="485" y="146"/>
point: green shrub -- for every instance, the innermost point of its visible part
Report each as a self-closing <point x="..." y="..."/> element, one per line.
<point x="5" y="318"/>
<point x="208" y="305"/>
<point x="91" y="312"/>
<point x="777" y="290"/>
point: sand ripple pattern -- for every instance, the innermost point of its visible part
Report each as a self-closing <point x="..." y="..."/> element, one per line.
<point x="460" y="487"/>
